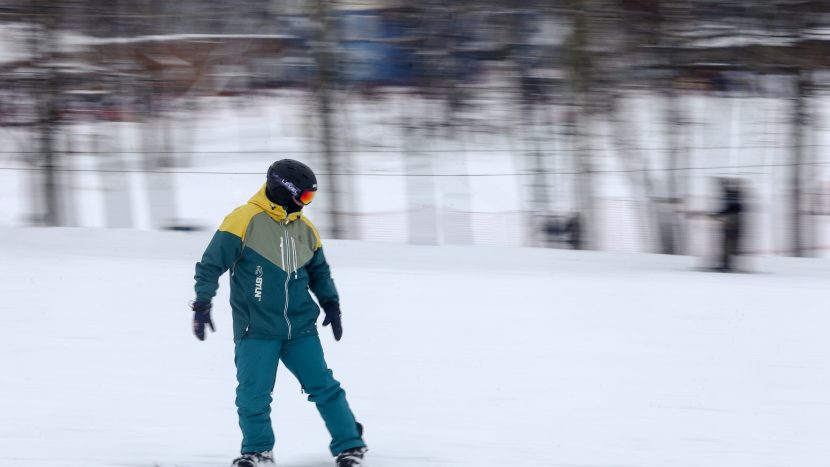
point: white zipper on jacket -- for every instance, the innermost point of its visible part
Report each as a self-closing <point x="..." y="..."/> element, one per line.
<point x="294" y="255"/>
<point x="286" y="254"/>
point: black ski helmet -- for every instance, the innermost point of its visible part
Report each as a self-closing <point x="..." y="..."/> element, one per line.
<point x="286" y="182"/>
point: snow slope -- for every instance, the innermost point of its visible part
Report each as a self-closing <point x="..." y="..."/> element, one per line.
<point x="452" y="356"/>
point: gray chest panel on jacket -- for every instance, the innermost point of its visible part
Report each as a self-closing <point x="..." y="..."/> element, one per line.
<point x="289" y="246"/>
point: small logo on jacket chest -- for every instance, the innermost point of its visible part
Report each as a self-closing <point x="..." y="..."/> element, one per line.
<point x="258" y="284"/>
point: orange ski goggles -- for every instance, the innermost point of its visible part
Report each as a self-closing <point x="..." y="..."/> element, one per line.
<point x="305" y="197"/>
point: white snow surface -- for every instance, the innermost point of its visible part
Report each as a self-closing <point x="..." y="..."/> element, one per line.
<point x="451" y="356"/>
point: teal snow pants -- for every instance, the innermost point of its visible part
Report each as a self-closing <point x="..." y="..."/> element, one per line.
<point x="256" y="371"/>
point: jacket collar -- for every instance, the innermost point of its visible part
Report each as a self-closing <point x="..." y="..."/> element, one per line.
<point x="275" y="211"/>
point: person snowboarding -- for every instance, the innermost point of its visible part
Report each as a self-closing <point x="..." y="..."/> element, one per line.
<point x="275" y="256"/>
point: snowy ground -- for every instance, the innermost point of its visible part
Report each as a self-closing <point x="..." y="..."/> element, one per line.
<point x="452" y="356"/>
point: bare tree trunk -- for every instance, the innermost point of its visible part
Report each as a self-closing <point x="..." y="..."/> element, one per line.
<point x="672" y="231"/>
<point x="799" y="123"/>
<point x="539" y="184"/>
<point x="48" y="153"/>
<point x="324" y="108"/>
<point x="582" y="85"/>
<point x="586" y="209"/>
<point x="48" y="116"/>
<point x="108" y="148"/>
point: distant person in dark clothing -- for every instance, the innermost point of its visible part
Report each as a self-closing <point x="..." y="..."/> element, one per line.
<point x="730" y="218"/>
<point x="553" y="229"/>
<point x="574" y="229"/>
<point x="561" y="230"/>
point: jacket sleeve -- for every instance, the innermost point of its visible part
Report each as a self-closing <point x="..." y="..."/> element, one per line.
<point x="320" y="281"/>
<point x="219" y="256"/>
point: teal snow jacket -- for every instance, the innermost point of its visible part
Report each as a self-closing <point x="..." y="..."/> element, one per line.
<point x="274" y="260"/>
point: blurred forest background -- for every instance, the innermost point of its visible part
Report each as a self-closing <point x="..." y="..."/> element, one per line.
<point x="616" y="118"/>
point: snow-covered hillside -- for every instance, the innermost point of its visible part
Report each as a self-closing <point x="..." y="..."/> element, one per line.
<point x="116" y="172"/>
<point x="451" y="356"/>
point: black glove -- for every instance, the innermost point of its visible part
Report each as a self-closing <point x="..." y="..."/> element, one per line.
<point x="332" y="310"/>
<point x="201" y="317"/>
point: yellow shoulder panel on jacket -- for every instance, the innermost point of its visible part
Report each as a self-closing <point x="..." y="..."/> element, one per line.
<point x="237" y="221"/>
<point x="314" y="229"/>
